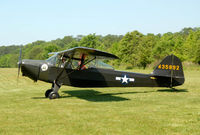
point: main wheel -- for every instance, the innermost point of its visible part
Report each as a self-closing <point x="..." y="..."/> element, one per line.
<point x="48" y="92"/>
<point x="53" y="95"/>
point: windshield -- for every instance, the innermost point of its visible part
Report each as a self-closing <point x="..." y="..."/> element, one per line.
<point x="52" y="60"/>
<point x="57" y="60"/>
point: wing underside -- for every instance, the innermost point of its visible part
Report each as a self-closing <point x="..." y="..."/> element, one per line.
<point x="76" y="52"/>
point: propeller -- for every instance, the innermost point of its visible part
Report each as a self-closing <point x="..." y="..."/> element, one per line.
<point x="19" y="61"/>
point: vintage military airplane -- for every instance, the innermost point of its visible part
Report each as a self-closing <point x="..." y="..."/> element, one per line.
<point x="83" y="67"/>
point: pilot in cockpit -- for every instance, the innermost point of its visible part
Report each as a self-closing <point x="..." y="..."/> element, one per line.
<point x="81" y="62"/>
<point x="63" y="59"/>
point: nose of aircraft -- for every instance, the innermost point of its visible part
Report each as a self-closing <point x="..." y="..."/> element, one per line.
<point x="31" y="68"/>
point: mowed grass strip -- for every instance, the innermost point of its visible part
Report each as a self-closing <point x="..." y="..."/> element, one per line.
<point x="84" y="111"/>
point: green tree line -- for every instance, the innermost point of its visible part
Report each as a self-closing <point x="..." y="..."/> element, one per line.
<point x="133" y="48"/>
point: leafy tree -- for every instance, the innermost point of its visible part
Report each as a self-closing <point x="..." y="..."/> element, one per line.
<point x="108" y="40"/>
<point x="35" y="53"/>
<point x="115" y="50"/>
<point x="164" y="46"/>
<point x="8" y="49"/>
<point x="49" y="48"/>
<point x="67" y="41"/>
<point x="128" y="47"/>
<point x="8" y="61"/>
<point x="145" y="48"/>
<point x="178" y="46"/>
<point x="4" y="61"/>
<point x="91" y="41"/>
<point x="197" y="55"/>
<point x="192" y="46"/>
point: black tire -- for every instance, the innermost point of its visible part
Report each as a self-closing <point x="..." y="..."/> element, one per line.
<point x="48" y="92"/>
<point x="53" y="95"/>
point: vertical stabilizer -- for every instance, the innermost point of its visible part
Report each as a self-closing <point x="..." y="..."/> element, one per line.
<point x="170" y="69"/>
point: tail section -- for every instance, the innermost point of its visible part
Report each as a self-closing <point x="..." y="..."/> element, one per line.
<point x="169" y="72"/>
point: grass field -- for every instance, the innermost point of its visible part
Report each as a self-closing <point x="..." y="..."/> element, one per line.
<point x="98" y="111"/>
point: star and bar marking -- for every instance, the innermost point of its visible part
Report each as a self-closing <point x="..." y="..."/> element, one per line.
<point x="124" y="79"/>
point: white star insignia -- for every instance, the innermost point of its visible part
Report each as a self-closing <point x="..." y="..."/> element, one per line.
<point x="125" y="79"/>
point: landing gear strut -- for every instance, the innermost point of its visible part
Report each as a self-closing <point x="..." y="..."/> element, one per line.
<point x="53" y="92"/>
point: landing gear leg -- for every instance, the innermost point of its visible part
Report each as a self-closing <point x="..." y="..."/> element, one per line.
<point x="54" y="93"/>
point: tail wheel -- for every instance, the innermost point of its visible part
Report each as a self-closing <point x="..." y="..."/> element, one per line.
<point x="48" y="92"/>
<point x="53" y="95"/>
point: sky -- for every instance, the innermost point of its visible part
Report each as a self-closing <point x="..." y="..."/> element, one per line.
<point x="25" y="21"/>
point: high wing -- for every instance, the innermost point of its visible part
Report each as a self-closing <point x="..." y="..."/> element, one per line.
<point x="76" y="52"/>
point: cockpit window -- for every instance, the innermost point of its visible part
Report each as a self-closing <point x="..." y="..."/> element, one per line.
<point x="89" y="62"/>
<point x="99" y="64"/>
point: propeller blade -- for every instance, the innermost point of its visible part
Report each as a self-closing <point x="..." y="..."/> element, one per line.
<point x="19" y="61"/>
